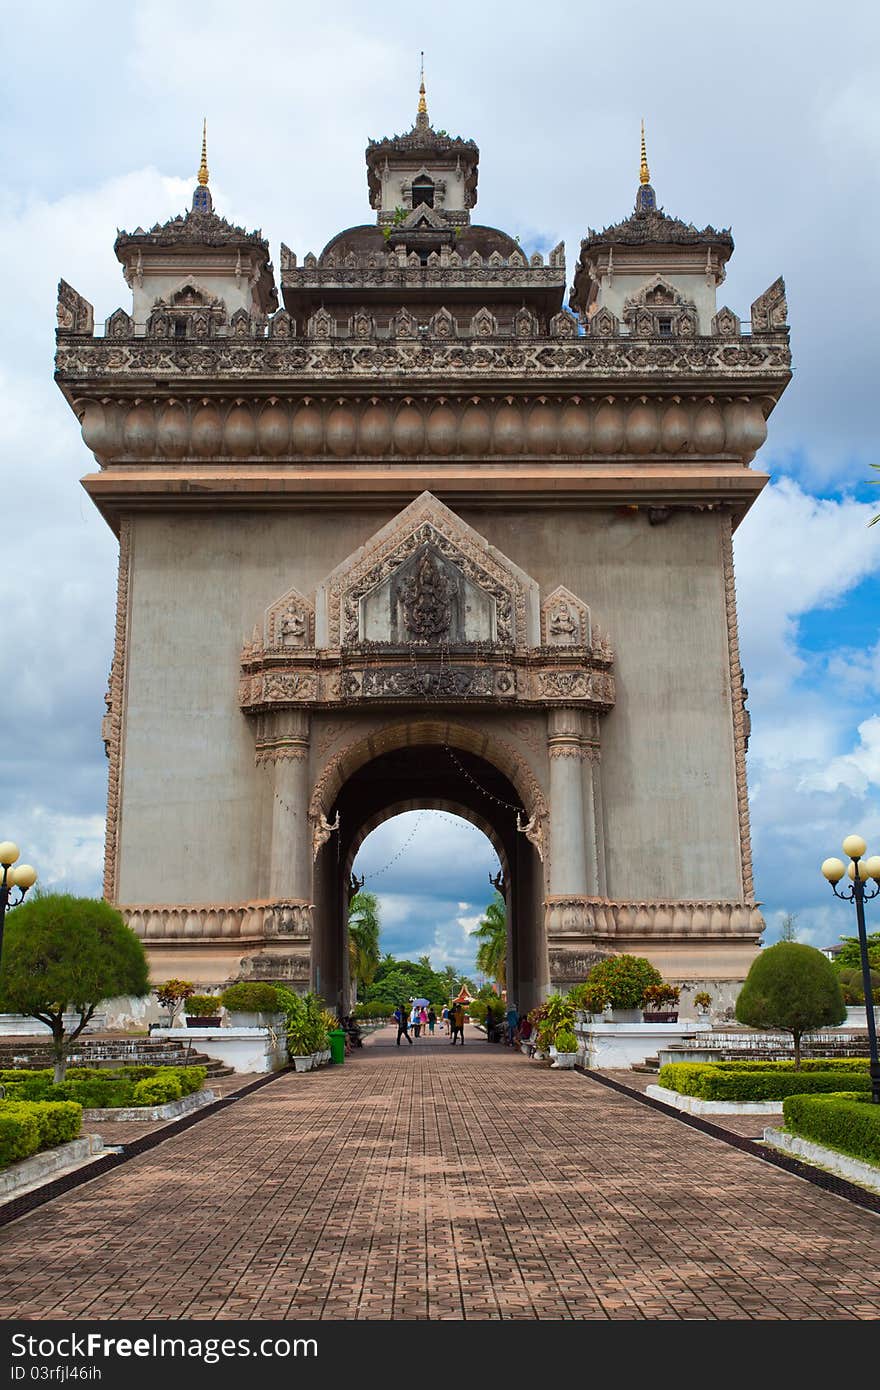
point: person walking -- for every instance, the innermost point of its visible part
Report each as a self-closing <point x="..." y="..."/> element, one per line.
<point x="415" y="1020"/>
<point x="423" y="1019"/>
<point x="458" y="1023"/>
<point x="432" y="1019"/>
<point x="445" y="1017"/>
<point x="402" y="1019"/>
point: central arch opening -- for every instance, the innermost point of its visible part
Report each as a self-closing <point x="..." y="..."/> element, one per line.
<point x="458" y="783"/>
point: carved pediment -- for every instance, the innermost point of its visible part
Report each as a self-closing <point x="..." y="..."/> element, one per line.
<point x="428" y="577"/>
<point x="565" y="620"/>
<point x="290" y="622"/>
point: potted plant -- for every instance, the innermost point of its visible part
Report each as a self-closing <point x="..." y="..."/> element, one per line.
<point x="203" y="1011"/>
<point x="171" y="995"/>
<point x="589" y="1001"/>
<point x="566" y="1050"/>
<point x="702" y="1001"/>
<point x="658" y="1002"/>
<point x="251" y="1004"/>
<point x="623" y="981"/>
<point x="299" y="1040"/>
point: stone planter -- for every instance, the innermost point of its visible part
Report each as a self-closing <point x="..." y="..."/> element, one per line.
<point x="626" y="1016"/>
<point x="242" y="1019"/>
<point x="564" y="1061"/>
<point x="204" y="1021"/>
<point x="658" y="1016"/>
<point x="302" y="1063"/>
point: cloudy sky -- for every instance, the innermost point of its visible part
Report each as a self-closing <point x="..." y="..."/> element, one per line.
<point x="765" y="119"/>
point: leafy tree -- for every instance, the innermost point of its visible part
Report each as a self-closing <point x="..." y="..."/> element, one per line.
<point x="64" y="955"/>
<point x="173" y="993"/>
<point x="363" y="937"/>
<point x="623" y="980"/>
<point x="849" y="957"/>
<point x="492" y="936"/>
<point x="793" y="988"/>
<point x="788" y="931"/>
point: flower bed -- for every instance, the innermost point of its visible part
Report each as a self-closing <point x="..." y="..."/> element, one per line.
<point x="761" y="1081"/>
<point x="28" y="1126"/>
<point x="846" y="1121"/>
<point x="105" y="1089"/>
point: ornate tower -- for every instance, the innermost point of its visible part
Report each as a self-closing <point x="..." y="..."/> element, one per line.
<point x="424" y="537"/>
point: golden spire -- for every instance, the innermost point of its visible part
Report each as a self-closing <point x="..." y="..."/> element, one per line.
<point x="423" y="105"/>
<point x="644" y="174"/>
<point x="203" y="167"/>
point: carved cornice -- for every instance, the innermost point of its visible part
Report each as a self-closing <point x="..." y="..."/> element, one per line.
<point x="740" y="716"/>
<point x="260" y="920"/>
<point x="604" y="919"/>
<point x="586" y="359"/>
<point x="184" y="427"/>
<point x="390" y="273"/>
<point x="113" y="720"/>
<point x="536" y="678"/>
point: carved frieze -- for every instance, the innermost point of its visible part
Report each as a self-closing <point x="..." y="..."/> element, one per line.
<point x="597" y="357"/>
<point x="73" y="313"/>
<point x="253" y="921"/>
<point x="770" y="309"/>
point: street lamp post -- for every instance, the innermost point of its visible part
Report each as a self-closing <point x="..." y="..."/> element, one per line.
<point x="22" y="878"/>
<point x="860" y="870"/>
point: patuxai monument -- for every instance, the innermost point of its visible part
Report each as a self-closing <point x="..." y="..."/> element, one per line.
<point x="413" y="529"/>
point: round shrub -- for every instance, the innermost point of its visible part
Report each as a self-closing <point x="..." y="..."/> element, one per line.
<point x="157" y="1090"/>
<point x="794" y="988"/>
<point x="566" y="1041"/>
<point x="623" y="980"/>
<point x="19" y="1133"/>
<point x="251" y="997"/>
<point x="202" y="1005"/>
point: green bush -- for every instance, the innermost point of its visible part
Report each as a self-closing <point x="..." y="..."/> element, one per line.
<point x="19" y="1133"/>
<point x="845" y="1064"/>
<point x="846" y="1121"/>
<point x="191" y="1079"/>
<point x="709" y="1082"/>
<point x="377" y="1010"/>
<point x="251" y="998"/>
<point x="94" y="1095"/>
<point x="623" y="980"/>
<point x="853" y="987"/>
<point x="26" y="1085"/>
<point x="202" y="1005"/>
<point x="27" y="1126"/>
<point x="566" y="1041"/>
<point x="157" y="1090"/>
<point x="57" y="1121"/>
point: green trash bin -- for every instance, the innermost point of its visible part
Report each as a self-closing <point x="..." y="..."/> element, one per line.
<point x="337" y="1044"/>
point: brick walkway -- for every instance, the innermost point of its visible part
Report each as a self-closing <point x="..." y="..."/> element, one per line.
<point x="536" y="1194"/>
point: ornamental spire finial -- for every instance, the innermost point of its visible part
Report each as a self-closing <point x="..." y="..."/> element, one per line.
<point x="644" y="174"/>
<point x="423" y="105"/>
<point x="203" y="167"/>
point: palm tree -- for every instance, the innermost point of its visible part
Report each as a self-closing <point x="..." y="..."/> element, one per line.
<point x="492" y="935"/>
<point x="363" y="938"/>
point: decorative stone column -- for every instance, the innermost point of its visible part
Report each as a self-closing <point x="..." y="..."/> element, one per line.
<point x="283" y="741"/>
<point x="567" y="746"/>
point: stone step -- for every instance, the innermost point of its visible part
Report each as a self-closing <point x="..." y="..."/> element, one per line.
<point x="110" y="1053"/>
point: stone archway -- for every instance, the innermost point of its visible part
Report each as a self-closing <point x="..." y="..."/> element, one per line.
<point x="428" y="773"/>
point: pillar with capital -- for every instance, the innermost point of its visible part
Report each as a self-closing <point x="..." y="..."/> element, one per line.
<point x="284" y="744"/>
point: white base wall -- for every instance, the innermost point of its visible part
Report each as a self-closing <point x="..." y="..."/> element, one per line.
<point x="616" y="1046"/>
<point x="244" y="1049"/>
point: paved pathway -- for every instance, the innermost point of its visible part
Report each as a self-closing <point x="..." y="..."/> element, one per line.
<point x="537" y="1194"/>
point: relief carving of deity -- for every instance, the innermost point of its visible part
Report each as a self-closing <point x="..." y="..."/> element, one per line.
<point x="563" y="622"/>
<point x="293" y="628"/>
<point x="427" y="603"/>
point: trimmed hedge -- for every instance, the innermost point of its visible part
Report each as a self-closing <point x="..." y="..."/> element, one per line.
<point x="157" y="1090"/>
<point x="252" y="997"/>
<point x="845" y="1064"/>
<point x="102" y="1088"/>
<point x="27" y="1126"/>
<point x="846" y="1121"/>
<point x="707" y="1081"/>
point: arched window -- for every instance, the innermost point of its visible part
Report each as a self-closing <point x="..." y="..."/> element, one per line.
<point x="423" y="191"/>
